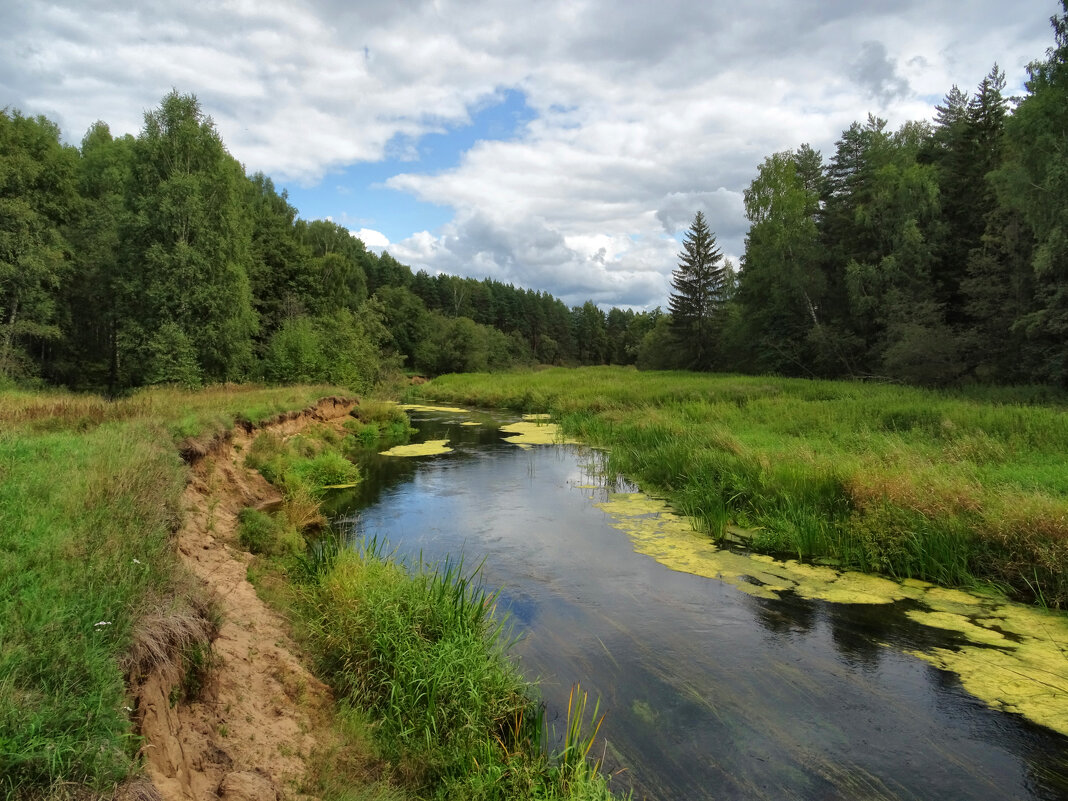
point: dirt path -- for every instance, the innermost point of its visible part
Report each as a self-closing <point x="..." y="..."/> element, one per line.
<point x="262" y="713"/>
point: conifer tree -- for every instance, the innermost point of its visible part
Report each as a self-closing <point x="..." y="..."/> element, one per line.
<point x="698" y="295"/>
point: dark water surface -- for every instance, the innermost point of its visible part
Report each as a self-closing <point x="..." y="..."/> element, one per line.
<point x="710" y="692"/>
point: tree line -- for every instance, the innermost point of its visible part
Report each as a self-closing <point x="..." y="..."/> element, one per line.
<point x="155" y="259"/>
<point x="934" y="254"/>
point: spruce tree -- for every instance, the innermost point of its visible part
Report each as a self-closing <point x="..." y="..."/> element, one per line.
<point x="698" y="295"/>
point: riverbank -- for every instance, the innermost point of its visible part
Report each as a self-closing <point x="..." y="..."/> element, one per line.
<point x="952" y="489"/>
<point x="139" y="662"/>
<point x="95" y="597"/>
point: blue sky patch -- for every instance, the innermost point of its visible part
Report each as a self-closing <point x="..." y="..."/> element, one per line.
<point x="357" y="196"/>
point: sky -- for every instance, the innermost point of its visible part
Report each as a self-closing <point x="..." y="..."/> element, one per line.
<point x="558" y="145"/>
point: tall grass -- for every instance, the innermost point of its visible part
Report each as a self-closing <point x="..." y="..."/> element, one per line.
<point x="91" y="592"/>
<point x="949" y="487"/>
<point x="421" y="650"/>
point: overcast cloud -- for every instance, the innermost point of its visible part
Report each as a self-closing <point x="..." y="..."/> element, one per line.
<point x="642" y="113"/>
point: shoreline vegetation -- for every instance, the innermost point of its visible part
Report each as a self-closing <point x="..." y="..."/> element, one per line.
<point x="958" y="489"/>
<point x="954" y="488"/>
<point x="92" y="591"/>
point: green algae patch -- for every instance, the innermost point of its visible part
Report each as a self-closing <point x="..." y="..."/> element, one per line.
<point x="532" y="432"/>
<point x="961" y="624"/>
<point x="418" y="407"/>
<point x="533" y="417"/>
<point x="469" y="423"/>
<point x="656" y="531"/>
<point x="1012" y="657"/>
<point x="1027" y="674"/>
<point x="431" y="447"/>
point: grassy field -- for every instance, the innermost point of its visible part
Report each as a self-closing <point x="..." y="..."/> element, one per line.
<point x="959" y="489"/>
<point x="91" y="591"/>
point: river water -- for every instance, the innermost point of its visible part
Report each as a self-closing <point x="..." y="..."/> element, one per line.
<point x="710" y="692"/>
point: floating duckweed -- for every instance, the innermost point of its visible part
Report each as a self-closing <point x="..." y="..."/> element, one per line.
<point x="418" y="407"/>
<point x="431" y="447"/>
<point x="531" y="432"/>
<point x="1014" y="657"/>
<point x="469" y="423"/>
<point x="959" y="623"/>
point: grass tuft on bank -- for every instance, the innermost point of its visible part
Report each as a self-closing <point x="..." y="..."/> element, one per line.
<point x="957" y="488"/>
<point x="420" y="649"/>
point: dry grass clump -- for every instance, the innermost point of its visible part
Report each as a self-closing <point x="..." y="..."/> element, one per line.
<point x="169" y="628"/>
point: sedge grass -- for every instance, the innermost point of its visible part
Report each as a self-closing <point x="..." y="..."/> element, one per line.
<point x="949" y="487"/>
<point x="420" y="649"/>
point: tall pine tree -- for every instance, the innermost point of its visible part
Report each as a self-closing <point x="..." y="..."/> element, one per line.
<point x="698" y="296"/>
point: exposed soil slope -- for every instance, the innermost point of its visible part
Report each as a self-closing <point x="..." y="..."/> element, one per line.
<point x="261" y="715"/>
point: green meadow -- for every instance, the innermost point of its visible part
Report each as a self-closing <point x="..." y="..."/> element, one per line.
<point x="960" y="488"/>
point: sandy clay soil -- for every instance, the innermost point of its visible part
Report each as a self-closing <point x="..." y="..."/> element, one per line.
<point x="261" y="714"/>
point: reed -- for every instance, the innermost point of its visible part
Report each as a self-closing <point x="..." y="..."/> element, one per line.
<point x="421" y="650"/>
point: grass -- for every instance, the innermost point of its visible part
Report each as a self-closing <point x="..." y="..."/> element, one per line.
<point x="374" y="421"/>
<point x="91" y="592"/>
<point x="303" y="464"/>
<point x="956" y="488"/>
<point x="420" y="650"/>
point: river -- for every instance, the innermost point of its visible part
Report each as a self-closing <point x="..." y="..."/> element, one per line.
<point x="711" y="691"/>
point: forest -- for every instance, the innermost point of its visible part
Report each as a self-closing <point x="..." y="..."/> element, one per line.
<point x="935" y="254"/>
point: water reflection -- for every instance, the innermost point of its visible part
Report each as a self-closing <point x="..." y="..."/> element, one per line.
<point x="789" y="615"/>
<point x="711" y="693"/>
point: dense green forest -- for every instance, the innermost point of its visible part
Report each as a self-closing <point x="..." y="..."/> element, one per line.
<point x="934" y="254"/>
